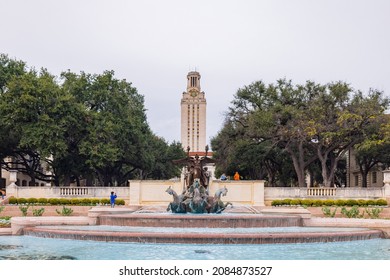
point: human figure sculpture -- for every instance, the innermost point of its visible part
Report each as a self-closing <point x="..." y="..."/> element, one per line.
<point x="196" y="169"/>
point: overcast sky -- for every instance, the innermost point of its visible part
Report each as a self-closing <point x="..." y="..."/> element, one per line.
<point x="154" y="44"/>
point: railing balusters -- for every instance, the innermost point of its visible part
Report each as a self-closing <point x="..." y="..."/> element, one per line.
<point x="74" y="191"/>
<point x="321" y="192"/>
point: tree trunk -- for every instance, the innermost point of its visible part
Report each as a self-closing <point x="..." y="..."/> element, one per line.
<point x="328" y="173"/>
<point x="364" y="179"/>
<point x="300" y="172"/>
<point x="364" y="169"/>
<point x="66" y="180"/>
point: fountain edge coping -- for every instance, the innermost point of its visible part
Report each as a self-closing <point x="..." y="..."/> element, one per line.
<point x="19" y="223"/>
<point x="300" y="211"/>
<point x="381" y="224"/>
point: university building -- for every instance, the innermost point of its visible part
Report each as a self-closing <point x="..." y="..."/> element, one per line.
<point x="375" y="176"/>
<point x="193" y="116"/>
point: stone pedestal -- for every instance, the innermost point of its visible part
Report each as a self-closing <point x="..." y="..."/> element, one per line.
<point x="13" y="176"/>
<point x="12" y="190"/>
<point x="258" y="193"/>
<point x="135" y="193"/>
<point x="386" y="183"/>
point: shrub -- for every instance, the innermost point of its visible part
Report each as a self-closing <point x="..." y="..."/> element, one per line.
<point x="328" y="202"/>
<point x="85" y="201"/>
<point x="371" y="202"/>
<point x="307" y="202"/>
<point x="32" y="200"/>
<point x="106" y="201"/>
<point x="2" y="208"/>
<point x="341" y="202"/>
<point x="120" y="202"/>
<point x="5" y="221"/>
<point x="42" y="200"/>
<point x="13" y="200"/>
<point x="38" y="212"/>
<point x="65" y="211"/>
<point x="95" y="201"/>
<point x="75" y="201"/>
<point x="362" y="202"/>
<point x="295" y="202"/>
<point x="22" y="200"/>
<point x="351" y="202"/>
<point x="53" y="201"/>
<point x="276" y="202"/>
<point x="317" y="202"/>
<point x="381" y="202"/>
<point x="63" y="201"/>
<point x="24" y="210"/>
<point x="286" y="201"/>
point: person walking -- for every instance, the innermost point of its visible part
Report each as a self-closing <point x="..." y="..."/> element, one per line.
<point x="236" y="176"/>
<point x="112" y="199"/>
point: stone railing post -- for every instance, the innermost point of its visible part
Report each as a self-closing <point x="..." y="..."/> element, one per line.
<point x="135" y="192"/>
<point x="12" y="188"/>
<point x="258" y="193"/>
<point x="386" y="183"/>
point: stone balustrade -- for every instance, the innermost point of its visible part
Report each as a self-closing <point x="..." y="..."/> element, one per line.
<point x="66" y="192"/>
<point x="322" y="192"/>
<point x="244" y="192"/>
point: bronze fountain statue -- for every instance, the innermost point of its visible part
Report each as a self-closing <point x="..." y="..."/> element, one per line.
<point x="195" y="197"/>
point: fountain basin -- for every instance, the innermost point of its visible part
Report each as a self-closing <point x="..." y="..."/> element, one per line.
<point x="200" y="237"/>
<point x="33" y="248"/>
<point x="200" y="220"/>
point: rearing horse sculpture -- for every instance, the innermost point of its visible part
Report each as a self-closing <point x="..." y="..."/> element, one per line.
<point x="198" y="203"/>
<point x="195" y="196"/>
<point x="217" y="205"/>
<point x="177" y="205"/>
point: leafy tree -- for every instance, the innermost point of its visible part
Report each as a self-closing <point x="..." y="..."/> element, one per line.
<point x="310" y="122"/>
<point x="276" y="113"/>
<point x="9" y="70"/>
<point x="116" y="126"/>
<point x="83" y="126"/>
<point x="340" y="118"/>
<point x="161" y="156"/>
<point x="24" y="106"/>
<point x="374" y="150"/>
<point x="253" y="159"/>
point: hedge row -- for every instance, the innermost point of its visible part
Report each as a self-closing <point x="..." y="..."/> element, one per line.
<point x="329" y="202"/>
<point x="63" y="201"/>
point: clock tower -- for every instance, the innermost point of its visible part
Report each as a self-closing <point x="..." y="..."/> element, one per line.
<point x="193" y="115"/>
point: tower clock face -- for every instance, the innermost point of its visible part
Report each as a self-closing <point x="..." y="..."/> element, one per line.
<point x="193" y="93"/>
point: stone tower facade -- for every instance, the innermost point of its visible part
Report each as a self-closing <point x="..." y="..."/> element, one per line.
<point x="193" y="115"/>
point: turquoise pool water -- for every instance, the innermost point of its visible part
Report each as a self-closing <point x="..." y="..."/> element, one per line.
<point x="34" y="248"/>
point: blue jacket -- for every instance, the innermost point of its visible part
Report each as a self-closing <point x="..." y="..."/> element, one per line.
<point x="112" y="198"/>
